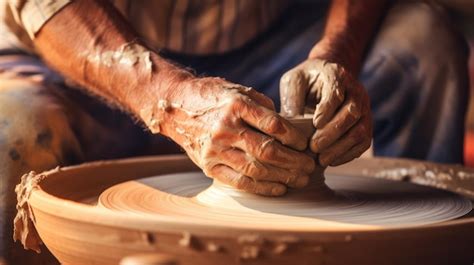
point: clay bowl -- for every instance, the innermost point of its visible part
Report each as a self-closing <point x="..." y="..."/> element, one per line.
<point x="64" y="211"/>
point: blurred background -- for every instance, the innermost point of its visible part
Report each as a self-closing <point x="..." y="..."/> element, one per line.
<point x="463" y="13"/>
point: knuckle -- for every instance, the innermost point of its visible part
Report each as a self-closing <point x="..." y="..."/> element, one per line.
<point x="354" y="110"/>
<point x="314" y="144"/>
<point x="359" y="134"/>
<point x="210" y="170"/>
<point x="299" y="181"/>
<point x="337" y="95"/>
<point x="247" y="90"/>
<point x="286" y="78"/>
<point x="321" y="140"/>
<point x="290" y="76"/>
<point x="291" y="178"/>
<point x="268" y="150"/>
<point x="273" y="124"/>
<point x="362" y="129"/>
<point x="332" y="67"/>
<point x="254" y="169"/>
<point x="269" y="153"/>
<point x="310" y="165"/>
<point x="242" y="183"/>
<point x="326" y="158"/>
<point x="219" y="130"/>
<point x="237" y="102"/>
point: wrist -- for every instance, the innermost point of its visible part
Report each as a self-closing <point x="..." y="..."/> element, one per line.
<point x="151" y="102"/>
<point x="338" y="51"/>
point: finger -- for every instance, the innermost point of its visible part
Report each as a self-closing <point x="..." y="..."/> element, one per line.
<point x="337" y="150"/>
<point x="355" y="136"/>
<point x="251" y="167"/>
<point x="270" y="123"/>
<point x="346" y="117"/>
<point x="251" y="93"/>
<point x="332" y="96"/>
<point x="267" y="150"/>
<point x="230" y="177"/>
<point x="353" y="153"/>
<point x="293" y="91"/>
<point x="260" y="98"/>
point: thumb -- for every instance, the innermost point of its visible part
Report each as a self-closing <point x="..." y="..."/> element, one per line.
<point x="293" y="90"/>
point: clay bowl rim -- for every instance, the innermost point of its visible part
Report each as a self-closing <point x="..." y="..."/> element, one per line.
<point x="52" y="205"/>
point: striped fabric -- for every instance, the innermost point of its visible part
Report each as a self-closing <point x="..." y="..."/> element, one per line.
<point x="186" y="26"/>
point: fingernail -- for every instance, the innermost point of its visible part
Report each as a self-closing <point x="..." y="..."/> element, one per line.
<point x="302" y="182"/>
<point x="316" y="119"/>
<point x="322" y="141"/>
<point x="309" y="167"/>
<point x="278" y="190"/>
<point x="325" y="161"/>
<point x="317" y="143"/>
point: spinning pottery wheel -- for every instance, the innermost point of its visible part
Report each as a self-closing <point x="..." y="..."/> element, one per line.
<point x="82" y="217"/>
<point x="101" y="212"/>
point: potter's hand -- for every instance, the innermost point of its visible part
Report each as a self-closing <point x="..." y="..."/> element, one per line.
<point x="234" y="134"/>
<point x="342" y="114"/>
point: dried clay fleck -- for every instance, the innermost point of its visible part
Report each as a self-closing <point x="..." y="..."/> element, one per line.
<point x="24" y="229"/>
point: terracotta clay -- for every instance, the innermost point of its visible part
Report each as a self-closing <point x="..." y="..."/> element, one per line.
<point x="105" y="211"/>
<point x="356" y="203"/>
<point x="349" y="202"/>
<point x="78" y="231"/>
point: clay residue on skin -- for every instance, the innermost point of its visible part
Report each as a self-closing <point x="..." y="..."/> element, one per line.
<point x="164" y="105"/>
<point x="209" y="131"/>
<point x="151" y="115"/>
<point x="129" y="54"/>
<point x="153" y="122"/>
<point x="24" y="229"/>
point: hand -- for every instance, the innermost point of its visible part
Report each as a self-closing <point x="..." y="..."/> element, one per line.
<point x="234" y="134"/>
<point x="341" y="107"/>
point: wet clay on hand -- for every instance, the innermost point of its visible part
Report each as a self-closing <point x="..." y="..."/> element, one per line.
<point x="234" y="135"/>
<point x="341" y="109"/>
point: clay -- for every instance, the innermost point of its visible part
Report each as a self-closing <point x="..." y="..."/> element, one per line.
<point x="187" y="240"/>
<point x="455" y="178"/>
<point x="79" y="213"/>
<point x="148" y="259"/>
<point x="24" y="229"/>
<point x="249" y="252"/>
<point x="213" y="247"/>
<point x="341" y="209"/>
<point x="355" y="202"/>
<point x="233" y="150"/>
<point x="127" y="55"/>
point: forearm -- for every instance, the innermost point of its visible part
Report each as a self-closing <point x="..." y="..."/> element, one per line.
<point x="349" y="27"/>
<point x="91" y="44"/>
